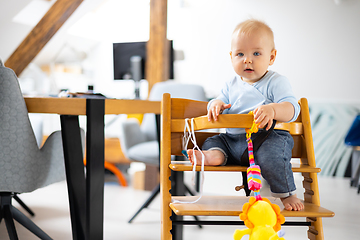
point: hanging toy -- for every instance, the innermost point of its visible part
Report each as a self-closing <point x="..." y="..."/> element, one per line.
<point x="262" y="218"/>
<point x="253" y="171"/>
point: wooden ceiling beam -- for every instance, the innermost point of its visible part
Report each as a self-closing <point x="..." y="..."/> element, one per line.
<point x="60" y="11"/>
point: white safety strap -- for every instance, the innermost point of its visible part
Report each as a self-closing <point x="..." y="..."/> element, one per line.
<point x="189" y="135"/>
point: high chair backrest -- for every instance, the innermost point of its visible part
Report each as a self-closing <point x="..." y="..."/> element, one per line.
<point x="197" y="109"/>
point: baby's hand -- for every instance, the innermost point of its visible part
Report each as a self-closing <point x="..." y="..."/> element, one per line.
<point x="264" y="114"/>
<point x="216" y="108"/>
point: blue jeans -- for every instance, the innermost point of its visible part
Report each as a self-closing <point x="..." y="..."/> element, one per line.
<point x="273" y="157"/>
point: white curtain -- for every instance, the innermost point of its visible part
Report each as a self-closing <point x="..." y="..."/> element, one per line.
<point x="330" y="124"/>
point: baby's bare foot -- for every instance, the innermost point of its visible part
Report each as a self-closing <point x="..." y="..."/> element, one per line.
<point x="212" y="157"/>
<point x="292" y="203"/>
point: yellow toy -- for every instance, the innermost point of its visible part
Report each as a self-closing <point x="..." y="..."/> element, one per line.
<point x="262" y="218"/>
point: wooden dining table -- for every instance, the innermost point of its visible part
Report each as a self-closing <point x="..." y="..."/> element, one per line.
<point x="86" y="187"/>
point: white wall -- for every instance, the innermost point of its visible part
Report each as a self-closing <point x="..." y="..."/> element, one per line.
<point x="317" y="43"/>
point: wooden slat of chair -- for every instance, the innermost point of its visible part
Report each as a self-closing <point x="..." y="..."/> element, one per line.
<point x="174" y="111"/>
<point x="232" y="206"/>
<point x="186" y="166"/>
<point x="232" y="121"/>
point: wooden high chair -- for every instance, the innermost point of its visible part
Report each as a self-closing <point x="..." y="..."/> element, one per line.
<point x="173" y="114"/>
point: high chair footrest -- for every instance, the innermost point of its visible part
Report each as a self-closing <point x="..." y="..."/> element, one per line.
<point x="232" y="206"/>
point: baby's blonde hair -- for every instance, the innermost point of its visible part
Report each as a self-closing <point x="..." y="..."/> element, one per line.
<point x="252" y="25"/>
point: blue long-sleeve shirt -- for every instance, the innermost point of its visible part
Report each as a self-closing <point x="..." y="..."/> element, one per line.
<point x="243" y="97"/>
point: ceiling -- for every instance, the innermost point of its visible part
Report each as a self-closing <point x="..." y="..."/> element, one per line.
<point x="94" y="21"/>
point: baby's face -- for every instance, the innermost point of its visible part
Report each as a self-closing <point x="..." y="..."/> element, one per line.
<point x="251" y="55"/>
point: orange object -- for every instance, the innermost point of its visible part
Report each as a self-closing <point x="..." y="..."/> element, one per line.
<point x="120" y="176"/>
<point x="139" y="117"/>
<point x="113" y="153"/>
<point x="112" y="168"/>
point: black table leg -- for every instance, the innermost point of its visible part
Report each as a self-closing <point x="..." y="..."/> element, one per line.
<point x="177" y="189"/>
<point x="95" y="110"/>
<point x="75" y="175"/>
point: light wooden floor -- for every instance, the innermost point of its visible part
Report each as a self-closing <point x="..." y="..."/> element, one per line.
<point x="52" y="213"/>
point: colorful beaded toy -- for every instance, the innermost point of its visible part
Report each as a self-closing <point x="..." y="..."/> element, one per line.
<point x="253" y="172"/>
<point x="262" y="218"/>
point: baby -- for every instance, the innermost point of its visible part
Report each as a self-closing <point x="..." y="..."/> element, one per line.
<point x="269" y="95"/>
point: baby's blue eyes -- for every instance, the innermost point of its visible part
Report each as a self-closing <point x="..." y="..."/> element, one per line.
<point x="255" y="54"/>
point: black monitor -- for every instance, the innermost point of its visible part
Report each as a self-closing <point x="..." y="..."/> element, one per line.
<point x="122" y="53"/>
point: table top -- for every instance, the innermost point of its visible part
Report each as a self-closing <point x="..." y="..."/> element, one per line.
<point x="77" y="106"/>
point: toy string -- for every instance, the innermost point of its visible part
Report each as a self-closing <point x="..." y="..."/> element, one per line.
<point x="253" y="171"/>
<point x="189" y="135"/>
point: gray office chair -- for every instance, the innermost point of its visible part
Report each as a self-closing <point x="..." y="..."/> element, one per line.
<point x="36" y="121"/>
<point x="23" y="166"/>
<point x="140" y="143"/>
